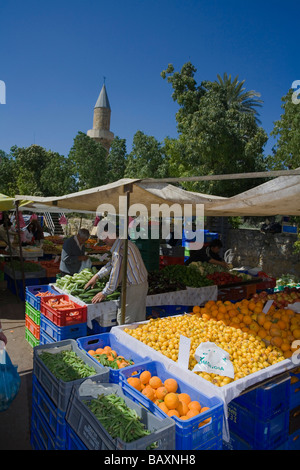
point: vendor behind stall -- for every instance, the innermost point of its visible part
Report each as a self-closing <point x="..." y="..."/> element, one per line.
<point x="72" y="253"/>
<point x="137" y="276"/>
<point x="208" y="254"/>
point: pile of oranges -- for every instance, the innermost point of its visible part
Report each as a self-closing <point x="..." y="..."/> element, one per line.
<point x="165" y="395"/>
<point x="110" y="356"/>
<point x="247" y="352"/>
<point x="279" y="327"/>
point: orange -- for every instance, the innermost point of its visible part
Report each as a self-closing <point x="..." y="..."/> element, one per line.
<point x="267" y="325"/>
<point x="155" y="382"/>
<point x="287" y="354"/>
<point x="247" y="319"/>
<point x="182" y="408"/>
<point x="163" y="407"/>
<point x="106" y="349"/>
<point x="135" y="383"/>
<point x="195" y="405"/>
<point x="192" y="413"/>
<point x="161" y="392"/>
<point x="282" y="324"/>
<point x="196" y="309"/>
<point x="99" y="351"/>
<point x="262" y="333"/>
<point x="274" y="331"/>
<point x="204" y="408"/>
<point x="296" y="333"/>
<point x="184" y="417"/>
<point x="184" y="397"/>
<point x="145" y="377"/>
<point x="149" y="392"/>
<point x="92" y="352"/>
<point x="261" y="318"/>
<point x="206" y="316"/>
<point x="173" y="413"/>
<point x="285" y="346"/>
<point x="251" y="306"/>
<point x="171" y="385"/>
<point x="171" y="400"/>
<point x="276" y="341"/>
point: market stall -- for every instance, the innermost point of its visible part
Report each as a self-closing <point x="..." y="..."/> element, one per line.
<point x="249" y="203"/>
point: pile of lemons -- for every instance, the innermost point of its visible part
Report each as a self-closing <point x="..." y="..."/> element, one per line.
<point x="248" y="353"/>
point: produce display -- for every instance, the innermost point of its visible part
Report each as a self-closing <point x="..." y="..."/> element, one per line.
<point x="66" y="365"/>
<point x="247" y="352"/>
<point x="110" y="358"/>
<point x="279" y="327"/>
<point x="63" y="305"/>
<point x="164" y="394"/>
<point x="223" y="278"/>
<point x="281" y="299"/>
<point x="160" y="284"/>
<point x="288" y="280"/>
<point x="185" y="275"/>
<point x="117" y="418"/>
<point x="75" y="284"/>
<point x="28" y="266"/>
<point x="51" y="248"/>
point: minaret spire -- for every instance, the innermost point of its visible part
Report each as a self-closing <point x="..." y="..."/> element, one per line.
<point x="101" y="123"/>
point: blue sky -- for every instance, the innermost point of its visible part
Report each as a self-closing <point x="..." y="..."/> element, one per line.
<point x="54" y="55"/>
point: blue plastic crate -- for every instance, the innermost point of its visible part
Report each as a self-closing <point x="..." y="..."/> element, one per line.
<point x="54" y="417"/>
<point x="189" y="436"/>
<point x="269" y="399"/>
<point x="294" y="441"/>
<point x="58" y="333"/>
<point x="97" y="328"/>
<point x="162" y="311"/>
<point x="32" y="290"/>
<point x="260" y="434"/>
<point x="45" y="339"/>
<point x="295" y="390"/>
<point x="107" y="339"/>
<point x="40" y="428"/>
<point x="19" y="282"/>
<point x="236" y="443"/>
<point x="73" y="442"/>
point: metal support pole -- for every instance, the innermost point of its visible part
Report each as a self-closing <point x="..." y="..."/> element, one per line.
<point x="20" y="247"/>
<point x="128" y="190"/>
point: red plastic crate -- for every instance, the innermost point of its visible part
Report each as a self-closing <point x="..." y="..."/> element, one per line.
<point x="170" y="260"/>
<point x="32" y="327"/>
<point x="64" y="317"/>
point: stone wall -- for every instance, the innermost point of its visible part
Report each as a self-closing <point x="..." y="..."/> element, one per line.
<point x="272" y="252"/>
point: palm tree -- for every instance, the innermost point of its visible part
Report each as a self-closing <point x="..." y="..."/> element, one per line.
<point x="236" y="96"/>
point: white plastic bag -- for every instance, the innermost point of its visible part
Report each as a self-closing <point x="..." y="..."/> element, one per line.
<point x="214" y="360"/>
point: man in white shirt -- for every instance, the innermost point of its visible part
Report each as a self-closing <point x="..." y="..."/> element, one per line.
<point x="137" y="278"/>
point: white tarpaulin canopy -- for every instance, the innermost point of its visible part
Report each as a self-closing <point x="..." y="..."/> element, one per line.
<point x="280" y="196"/>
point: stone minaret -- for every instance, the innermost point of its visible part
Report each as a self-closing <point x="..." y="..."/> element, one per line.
<point x="101" y="123"/>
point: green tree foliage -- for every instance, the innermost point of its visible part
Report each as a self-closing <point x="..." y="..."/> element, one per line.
<point x="35" y="171"/>
<point x="218" y="133"/>
<point x="116" y="160"/>
<point x="286" y="152"/>
<point x="147" y="158"/>
<point x="89" y="160"/>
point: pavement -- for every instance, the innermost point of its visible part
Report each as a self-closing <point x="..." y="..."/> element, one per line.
<point x="15" y="422"/>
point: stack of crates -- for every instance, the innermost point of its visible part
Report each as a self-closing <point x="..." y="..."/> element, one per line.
<point x="259" y="419"/>
<point x="149" y="249"/>
<point x="33" y="313"/>
<point x="294" y="421"/>
<point x="56" y="325"/>
<point x="51" y="397"/>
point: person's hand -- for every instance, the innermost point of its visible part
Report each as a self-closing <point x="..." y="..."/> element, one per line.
<point x="98" y="298"/>
<point x="91" y="282"/>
